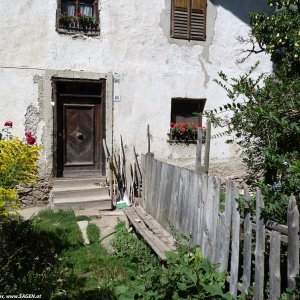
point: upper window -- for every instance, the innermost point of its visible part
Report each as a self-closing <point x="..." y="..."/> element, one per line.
<point x="78" y="16"/>
<point x="188" y="19"/>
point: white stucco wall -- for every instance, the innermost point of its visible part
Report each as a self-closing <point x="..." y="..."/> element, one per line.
<point x="149" y="67"/>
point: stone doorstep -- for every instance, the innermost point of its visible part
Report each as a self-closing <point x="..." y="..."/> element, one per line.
<point x="94" y="213"/>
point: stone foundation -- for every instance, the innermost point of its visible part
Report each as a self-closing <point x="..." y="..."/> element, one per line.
<point x="38" y="194"/>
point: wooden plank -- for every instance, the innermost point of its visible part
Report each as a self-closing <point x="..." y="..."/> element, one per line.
<point x="198" y="168"/>
<point x="293" y="243"/>
<point x="221" y="231"/>
<point x="259" y="249"/>
<point x="206" y="215"/>
<point x="193" y="206"/>
<point x="168" y="195"/>
<point x="235" y="243"/>
<point x="155" y="187"/>
<point x="198" y="212"/>
<point x="137" y="163"/>
<point x="183" y="201"/>
<point x="162" y="193"/>
<point x="274" y="266"/>
<point x="215" y="212"/>
<point x="247" y="246"/>
<point x="174" y="210"/>
<point x="143" y="178"/>
<point x="151" y="185"/>
<point x="228" y="214"/>
<point x="202" y="208"/>
<point x="154" y="226"/>
<point x="152" y="240"/>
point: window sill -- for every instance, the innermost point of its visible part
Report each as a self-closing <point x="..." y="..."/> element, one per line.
<point x="187" y="142"/>
<point x="79" y="30"/>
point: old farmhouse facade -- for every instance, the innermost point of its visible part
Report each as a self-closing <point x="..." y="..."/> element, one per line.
<point x="75" y="72"/>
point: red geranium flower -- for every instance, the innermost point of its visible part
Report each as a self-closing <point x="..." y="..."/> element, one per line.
<point x="176" y="125"/>
<point x="183" y="129"/>
<point x="78" y="14"/>
<point x="8" y="123"/>
<point x="28" y="133"/>
<point x="30" y="140"/>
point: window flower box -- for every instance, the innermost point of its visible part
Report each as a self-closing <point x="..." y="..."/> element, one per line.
<point x="185" y="133"/>
<point x="78" y="23"/>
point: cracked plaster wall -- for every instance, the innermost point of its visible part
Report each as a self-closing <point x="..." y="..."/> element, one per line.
<point x="135" y="46"/>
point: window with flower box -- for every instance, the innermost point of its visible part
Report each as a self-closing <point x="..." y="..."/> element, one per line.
<point x="75" y="16"/>
<point x="186" y="118"/>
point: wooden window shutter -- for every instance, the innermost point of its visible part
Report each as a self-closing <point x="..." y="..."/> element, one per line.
<point x="58" y="12"/>
<point x="180" y="19"/>
<point x="189" y="19"/>
<point x="198" y="20"/>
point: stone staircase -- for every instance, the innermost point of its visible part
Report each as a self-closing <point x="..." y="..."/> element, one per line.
<point x="81" y="193"/>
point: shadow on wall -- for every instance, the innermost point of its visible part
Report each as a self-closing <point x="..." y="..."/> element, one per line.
<point x="242" y="8"/>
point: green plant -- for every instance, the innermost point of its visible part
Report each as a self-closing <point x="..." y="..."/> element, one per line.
<point x="18" y="165"/>
<point x="187" y="274"/>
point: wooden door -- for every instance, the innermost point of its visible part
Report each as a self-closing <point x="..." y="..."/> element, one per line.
<point x="80" y="129"/>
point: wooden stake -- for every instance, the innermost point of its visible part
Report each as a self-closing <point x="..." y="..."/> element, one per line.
<point x="207" y="146"/>
<point x="148" y="136"/>
<point x="199" y="150"/>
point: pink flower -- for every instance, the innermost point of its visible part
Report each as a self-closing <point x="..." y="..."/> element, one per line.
<point x="8" y="123"/>
<point x="30" y="140"/>
<point x="183" y="129"/>
<point x="28" y="133"/>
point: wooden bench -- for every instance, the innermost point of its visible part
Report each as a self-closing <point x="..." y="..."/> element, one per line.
<point x="151" y="231"/>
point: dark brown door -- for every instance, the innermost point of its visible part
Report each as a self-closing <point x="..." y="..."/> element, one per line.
<point x="79" y="134"/>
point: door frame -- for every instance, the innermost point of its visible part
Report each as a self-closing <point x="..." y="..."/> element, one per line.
<point x="102" y="124"/>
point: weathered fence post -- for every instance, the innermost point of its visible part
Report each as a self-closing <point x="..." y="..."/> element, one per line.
<point x="207" y="146"/>
<point x="228" y="214"/>
<point x="235" y="243"/>
<point x="274" y="265"/>
<point x="247" y="245"/>
<point x="293" y="243"/>
<point x="148" y="137"/>
<point x="199" y="150"/>
<point x="259" y="249"/>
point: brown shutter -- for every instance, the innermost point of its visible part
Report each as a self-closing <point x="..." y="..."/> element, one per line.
<point x="96" y="11"/>
<point x="58" y="13"/>
<point x="198" y="20"/>
<point x="180" y="19"/>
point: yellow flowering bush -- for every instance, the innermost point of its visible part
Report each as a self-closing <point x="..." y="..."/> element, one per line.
<point x="18" y="165"/>
<point x="8" y="201"/>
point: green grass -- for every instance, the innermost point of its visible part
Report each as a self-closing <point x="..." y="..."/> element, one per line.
<point x="62" y="224"/>
<point x="93" y="233"/>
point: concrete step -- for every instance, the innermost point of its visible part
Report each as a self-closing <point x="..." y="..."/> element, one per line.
<point x="78" y="182"/>
<point x="100" y="203"/>
<point x="81" y="173"/>
<point x="79" y="192"/>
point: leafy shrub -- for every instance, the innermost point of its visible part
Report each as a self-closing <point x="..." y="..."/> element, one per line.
<point x="17" y="166"/>
<point x="266" y="109"/>
<point x="17" y="163"/>
<point x="187" y="274"/>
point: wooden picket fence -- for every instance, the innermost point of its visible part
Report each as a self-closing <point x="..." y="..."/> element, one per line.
<point x="191" y="202"/>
